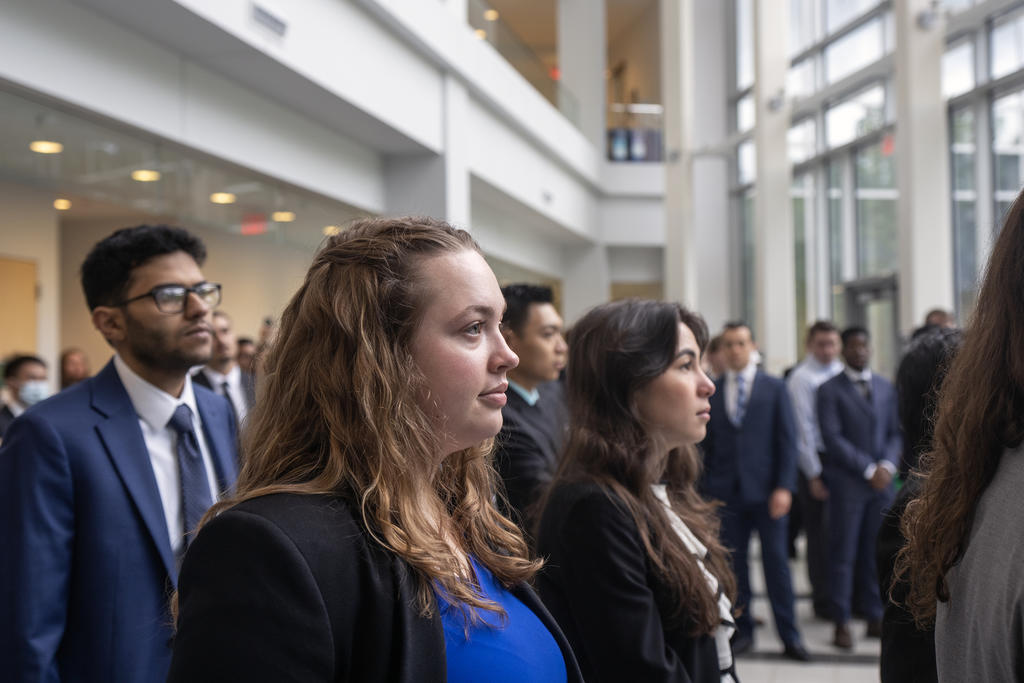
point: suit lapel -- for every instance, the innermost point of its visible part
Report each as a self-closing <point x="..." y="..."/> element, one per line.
<point x="858" y="398"/>
<point x="214" y="412"/>
<point x="126" y="448"/>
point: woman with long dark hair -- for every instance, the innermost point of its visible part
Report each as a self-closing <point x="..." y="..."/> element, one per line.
<point x="965" y="530"/>
<point x="363" y="543"/>
<point x="635" y="574"/>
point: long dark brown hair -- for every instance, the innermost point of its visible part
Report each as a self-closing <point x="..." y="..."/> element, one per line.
<point x="616" y="350"/>
<point x="337" y="413"/>
<point x="980" y="415"/>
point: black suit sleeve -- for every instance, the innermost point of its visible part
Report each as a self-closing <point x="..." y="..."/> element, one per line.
<point x="249" y="608"/>
<point x="524" y="470"/>
<point x="608" y="595"/>
<point x="785" y="442"/>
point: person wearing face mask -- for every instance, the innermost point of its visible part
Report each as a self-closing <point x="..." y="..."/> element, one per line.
<point x="27" y="384"/>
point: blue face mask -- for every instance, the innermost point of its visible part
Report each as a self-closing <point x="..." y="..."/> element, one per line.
<point x="34" y="391"/>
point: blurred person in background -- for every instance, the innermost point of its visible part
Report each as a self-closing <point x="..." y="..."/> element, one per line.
<point x="74" y="367"/>
<point x="635" y="572"/>
<point x="223" y="374"/>
<point x="247" y="355"/>
<point x="908" y="653"/>
<point x="27" y="383"/>
<point x="535" y="417"/>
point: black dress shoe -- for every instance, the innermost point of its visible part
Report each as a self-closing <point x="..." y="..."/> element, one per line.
<point x="842" y="637"/>
<point x="874" y="629"/>
<point x="742" y="643"/>
<point x="796" y="651"/>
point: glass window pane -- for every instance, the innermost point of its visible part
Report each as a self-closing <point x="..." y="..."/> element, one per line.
<point x="855" y="50"/>
<point x="839" y="12"/>
<point x="803" y="24"/>
<point x="802" y="141"/>
<point x="800" y="78"/>
<point x="746" y="116"/>
<point x="965" y="204"/>
<point x="747" y="266"/>
<point x="876" y="204"/>
<point x="1006" y="46"/>
<point x="958" y="69"/>
<point x="746" y="162"/>
<point x="857" y="116"/>
<point x="954" y="6"/>
<point x="744" y="44"/>
<point x="1008" y="144"/>
<point x="803" y="207"/>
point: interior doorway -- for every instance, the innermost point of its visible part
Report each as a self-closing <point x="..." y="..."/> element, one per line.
<point x="873" y="303"/>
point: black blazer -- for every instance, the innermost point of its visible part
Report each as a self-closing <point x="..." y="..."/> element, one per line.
<point x="248" y="385"/>
<point x="606" y="596"/>
<point x="527" y="448"/>
<point x="290" y="587"/>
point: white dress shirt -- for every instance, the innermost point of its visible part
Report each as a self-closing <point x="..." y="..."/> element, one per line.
<point x="235" y="391"/>
<point x="730" y="386"/>
<point x="803" y="386"/>
<point x="155" y="407"/>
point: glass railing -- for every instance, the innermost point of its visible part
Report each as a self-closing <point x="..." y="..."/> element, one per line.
<point x="635" y="132"/>
<point x="486" y="21"/>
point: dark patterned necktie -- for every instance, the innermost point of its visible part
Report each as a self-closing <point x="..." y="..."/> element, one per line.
<point x="195" y="486"/>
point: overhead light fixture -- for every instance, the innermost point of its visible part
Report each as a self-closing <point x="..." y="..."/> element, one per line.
<point x="480" y="34"/>
<point x="46" y="147"/>
<point x="331" y="230"/>
<point x="145" y="175"/>
<point x="222" y="198"/>
<point x="491" y="15"/>
<point x="62" y="204"/>
<point x="282" y="216"/>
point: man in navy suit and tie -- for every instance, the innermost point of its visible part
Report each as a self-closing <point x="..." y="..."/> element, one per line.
<point x="101" y="485"/>
<point x="859" y="420"/>
<point x="750" y="466"/>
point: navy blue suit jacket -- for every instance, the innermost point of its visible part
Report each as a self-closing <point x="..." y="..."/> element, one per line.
<point x="857" y="433"/>
<point x="86" y="568"/>
<point x="745" y="464"/>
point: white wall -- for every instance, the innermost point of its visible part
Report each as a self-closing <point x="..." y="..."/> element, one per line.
<point x="635" y="264"/>
<point x="28" y="231"/>
<point x="258" y="275"/>
<point x="81" y="58"/>
<point x="632" y="221"/>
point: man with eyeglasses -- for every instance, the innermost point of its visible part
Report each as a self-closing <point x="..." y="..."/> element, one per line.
<point x="102" y="485"/>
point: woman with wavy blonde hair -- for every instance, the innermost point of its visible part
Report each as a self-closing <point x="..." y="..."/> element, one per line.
<point x="965" y="529"/>
<point x="363" y="543"/>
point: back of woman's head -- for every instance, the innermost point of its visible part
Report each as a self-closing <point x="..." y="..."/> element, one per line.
<point x="980" y="414"/>
<point x="614" y="351"/>
<point x="918" y="379"/>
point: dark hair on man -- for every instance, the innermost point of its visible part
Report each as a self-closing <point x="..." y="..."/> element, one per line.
<point x="821" y="327"/>
<point x="246" y="340"/>
<point x="15" y="363"/>
<point x="736" y="325"/>
<point x="715" y="344"/>
<point x="917" y="386"/>
<point x="107" y="270"/>
<point x="518" y="299"/>
<point x="854" y="331"/>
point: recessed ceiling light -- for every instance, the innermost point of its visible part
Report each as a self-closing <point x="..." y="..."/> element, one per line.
<point x="222" y="198"/>
<point x="145" y="175"/>
<point x="62" y="204"/>
<point x="46" y="147"/>
<point x="282" y="216"/>
<point x="491" y="15"/>
<point x="480" y="34"/>
<point x="331" y="230"/>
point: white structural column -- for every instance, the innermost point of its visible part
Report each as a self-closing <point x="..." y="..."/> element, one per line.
<point x="678" y="93"/>
<point x="775" y="272"/>
<point x="710" y="164"/>
<point x="586" y="279"/>
<point x="582" y="57"/>
<point x="922" y="161"/>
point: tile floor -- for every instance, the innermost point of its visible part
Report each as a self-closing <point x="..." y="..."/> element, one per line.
<point x="831" y="665"/>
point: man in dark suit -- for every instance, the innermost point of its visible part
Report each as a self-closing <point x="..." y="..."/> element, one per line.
<point x="750" y="466"/>
<point x="534" y="418"/>
<point x="222" y="374"/>
<point x="26" y="382"/>
<point x="857" y="412"/>
<point x="100" y="485"/>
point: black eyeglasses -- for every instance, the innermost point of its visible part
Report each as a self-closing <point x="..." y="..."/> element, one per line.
<point x="171" y="298"/>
